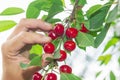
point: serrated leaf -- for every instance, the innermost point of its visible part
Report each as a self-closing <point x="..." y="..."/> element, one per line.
<point x="64" y="76"/>
<point x="110" y="43"/>
<point x="97" y="19"/>
<point x="36" y="49"/>
<point x="35" y="7"/>
<point x="93" y="9"/>
<point x="56" y="8"/>
<point x="36" y="61"/>
<point x="98" y="73"/>
<point x="84" y="39"/>
<point x="112" y="15"/>
<point x="24" y="66"/>
<point x="12" y="11"/>
<point x="112" y="76"/>
<point x="6" y="24"/>
<point x="100" y="37"/>
<point x="79" y="17"/>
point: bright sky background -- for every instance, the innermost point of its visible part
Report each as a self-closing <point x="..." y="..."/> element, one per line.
<point x="23" y="4"/>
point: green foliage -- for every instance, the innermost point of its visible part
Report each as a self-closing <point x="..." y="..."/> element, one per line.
<point x="12" y="11"/>
<point x="105" y="59"/>
<point x="35" y="7"/>
<point x="112" y="76"/>
<point x="23" y="66"/>
<point x="57" y="54"/>
<point x="6" y="25"/>
<point x="97" y="19"/>
<point x="80" y="2"/>
<point x="93" y="9"/>
<point x="36" y="49"/>
<point x="65" y="76"/>
<point x="84" y="39"/>
<point x="57" y="7"/>
<point x="112" y="15"/>
<point x="110" y="43"/>
<point x="79" y="17"/>
<point x="98" y="73"/>
<point x="36" y="61"/>
<point x="119" y="60"/>
<point x="100" y="37"/>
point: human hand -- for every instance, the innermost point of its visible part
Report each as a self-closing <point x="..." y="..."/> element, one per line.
<point x="16" y="48"/>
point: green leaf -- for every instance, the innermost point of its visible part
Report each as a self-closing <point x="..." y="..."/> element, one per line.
<point x="24" y="66"/>
<point x="35" y="7"/>
<point x="36" y="61"/>
<point x="64" y="76"/>
<point x="93" y="9"/>
<point x="98" y="73"/>
<point x="97" y="19"/>
<point x="12" y="11"/>
<point x="84" y="40"/>
<point x="6" y="24"/>
<point x="112" y="15"/>
<point x="31" y="56"/>
<point x="79" y="16"/>
<point x="36" y="49"/>
<point x="105" y="59"/>
<point x="100" y="37"/>
<point x="56" y="8"/>
<point x="54" y="20"/>
<point x="56" y="42"/>
<point x="32" y="12"/>
<point x="110" y="43"/>
<point x="119" y="60"/>
<point x="57" y="54"/>
<point x="80" y="2"/>
<point x="112" y="76"/>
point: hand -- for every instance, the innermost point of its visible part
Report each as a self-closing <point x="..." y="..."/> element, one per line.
<point x="16" y="48"/>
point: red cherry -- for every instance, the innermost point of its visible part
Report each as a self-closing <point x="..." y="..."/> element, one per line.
<point x="71" y="32"/>
<point x="65" y="69"/>
<point x="51" y="76"/>
<point x="63" y="55"/>
<point x="37" y="76"/>
<point x="49" y="48"/>
<point x="83" y="28"/>
<point x="69" y="45"/>
<point x="52" y="35"/>
<point x="59" y="29"/>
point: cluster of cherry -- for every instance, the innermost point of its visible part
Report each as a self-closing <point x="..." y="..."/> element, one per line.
<point x="69" y="45"/>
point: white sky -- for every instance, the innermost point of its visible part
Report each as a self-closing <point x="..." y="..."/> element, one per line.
<point x="23" y="4"/>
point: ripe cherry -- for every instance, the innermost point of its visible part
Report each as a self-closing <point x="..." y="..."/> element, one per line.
<point x="51" y="76"/>
<point x="37" y="76"/>
<point x="83" y="28"/>
<point x="52" y="34"/>
<point x="63" y="55"/>
<point x="65" y="69"/>
<point x="49" y="48"/>
<point x="71" y="32"/>
<point x="59" y="29"/>
<point x="69" y="45"/>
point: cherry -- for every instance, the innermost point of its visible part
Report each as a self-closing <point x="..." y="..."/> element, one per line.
<point x="49" y="48"/>
<point x="51" y="76"/>
<point x="52" y="34"/>
<point x="65" y="69"/>
<point x="69" y="45"/>
<point x="71" y="32"/>
<point x="83" y="28"/>
<point x="59" y="29"/>
<point x="37" y="76"/>
<point x="63" y="55"/>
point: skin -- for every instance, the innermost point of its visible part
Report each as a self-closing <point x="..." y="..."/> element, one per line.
<point x="16" y="48"/>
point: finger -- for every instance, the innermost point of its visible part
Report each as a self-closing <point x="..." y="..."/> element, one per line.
<point x="31" y="24"/>
<point x="24" y="38"/>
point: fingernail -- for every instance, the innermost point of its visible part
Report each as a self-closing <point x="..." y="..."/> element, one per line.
<point x="48" y="24"/>
<point x="47" y="39"/>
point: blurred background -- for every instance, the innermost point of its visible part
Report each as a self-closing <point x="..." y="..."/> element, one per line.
<point x="84" y="63"/>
